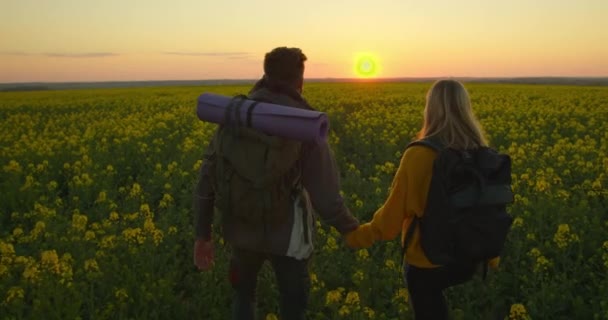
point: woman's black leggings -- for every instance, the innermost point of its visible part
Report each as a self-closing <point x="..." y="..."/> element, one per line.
<point x="426" y="285"/>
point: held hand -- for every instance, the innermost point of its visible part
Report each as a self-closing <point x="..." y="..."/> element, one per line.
<point x="351" y="240"/>
<point x="360" y="238"/>
<point x="203" y="254"/>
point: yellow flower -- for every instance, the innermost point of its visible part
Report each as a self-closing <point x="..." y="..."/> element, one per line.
<point x="358" y="203"/>
<point x="390" y="264"/>
<point x="90" y="265"/>
<point x="172" y="230"/>
<point x="134" y="235"/>
<point x="316" y="283"/>
<point x="6" y="249"/>
<point x="65" y="267"/>
<point x="331" y="244"/>
<point x="149" y="225"/>
<point x="563" y="237"/>
<point x="369" y="313"/>
<point x="29" y="182"/>
<point x="271" y="316"/>
<point x="121" y="295"/>
<point x="542" y="185"/>
<point x="518" y="222"/>
<point x="333" y="297"/>
<point x="30" y="273"/>
<point x="14" y="293"/>
<point x="3" y="270"/>
<point x="108" y="242"/>
<point x="352" y="298"/>
<point x="101" y="197"/>
<point x="131" y="216"/>
<point x="114" y="216"/>
<point x="401" y="296"/>
<point x="166" y="201"/>
<point x="542" y="264"/>
<point x="52" y="185"/>
<point x="518" y="312"/>
<point x="13" y="166"/>
<point x="358" y="277"/>
<point x="145" y="211"/>
<point x="362" y="255"/>
<point x="89" y="235"/>
<point x="50" y="260"/>
<point x="344" y="311"/>
<point x="135" y="190"/>
<point x="596" y="185"/>
<point x="24" y="260"/>
<point x="534" y="252"/>
<point x="86" y="179"/>
<point x="79" y="222"/>
<point x="197" y="165"/>
<point x="605" y="254"/>
<point x="17" y="232"/>
<point x="157" y="237"/>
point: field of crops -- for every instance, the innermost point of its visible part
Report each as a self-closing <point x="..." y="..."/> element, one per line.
<point x="96" y="220"/>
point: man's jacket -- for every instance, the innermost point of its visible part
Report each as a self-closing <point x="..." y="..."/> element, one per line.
<point x="321" y="188"/>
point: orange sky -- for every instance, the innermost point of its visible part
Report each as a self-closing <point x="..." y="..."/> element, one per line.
<point x="90" y="40"/>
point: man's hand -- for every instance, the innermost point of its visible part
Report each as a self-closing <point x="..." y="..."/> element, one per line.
<point x="203" y="254"/>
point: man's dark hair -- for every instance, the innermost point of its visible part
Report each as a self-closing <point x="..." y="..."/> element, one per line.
<point x="284" y="65"/>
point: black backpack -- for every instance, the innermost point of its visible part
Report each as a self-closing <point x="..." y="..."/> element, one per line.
<point x="465" y="221"/>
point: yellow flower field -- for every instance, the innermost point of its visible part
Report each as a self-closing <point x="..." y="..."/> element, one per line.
<point x="96" y="220"/>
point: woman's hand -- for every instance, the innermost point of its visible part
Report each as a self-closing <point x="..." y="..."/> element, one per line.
<point x="362" y="237"/>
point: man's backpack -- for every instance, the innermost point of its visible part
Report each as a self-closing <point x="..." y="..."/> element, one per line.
<point x="465" y="221"/>
<point x="255" y="174"/>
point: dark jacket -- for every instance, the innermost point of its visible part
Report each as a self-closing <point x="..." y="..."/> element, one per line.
<point x="319" y="178"/>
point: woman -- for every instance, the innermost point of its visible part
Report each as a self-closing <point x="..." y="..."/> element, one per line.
<point x="448" y="118"/>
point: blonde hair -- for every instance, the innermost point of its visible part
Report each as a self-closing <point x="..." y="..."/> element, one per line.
<point x="449" y="117"/>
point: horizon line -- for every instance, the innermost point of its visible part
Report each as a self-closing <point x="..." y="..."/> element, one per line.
<point x="314" y="79"/>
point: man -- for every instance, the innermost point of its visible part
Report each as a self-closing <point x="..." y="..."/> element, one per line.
<point x="283" y="234"/>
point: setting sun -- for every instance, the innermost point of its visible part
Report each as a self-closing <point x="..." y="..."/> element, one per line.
<point x="366" y="66"/>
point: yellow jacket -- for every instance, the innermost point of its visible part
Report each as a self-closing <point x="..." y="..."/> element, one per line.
<point x="406" y="199"/>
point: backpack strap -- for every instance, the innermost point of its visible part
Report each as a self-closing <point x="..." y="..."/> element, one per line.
<point x="235" y="104"/>
<point x="437" y="146"/>
<point x="431" y="142"/>
<point x="250" y="112"/>
<point x="408" y="236"/>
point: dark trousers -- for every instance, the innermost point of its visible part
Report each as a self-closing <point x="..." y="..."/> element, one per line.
<point x="426" y="285"/>
<point x="292" y="277"/>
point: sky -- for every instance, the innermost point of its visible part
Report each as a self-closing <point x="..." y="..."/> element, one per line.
<point x="134" y="40"/>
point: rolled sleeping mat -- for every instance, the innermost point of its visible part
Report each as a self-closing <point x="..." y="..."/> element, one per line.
<point x="272" y="119"/>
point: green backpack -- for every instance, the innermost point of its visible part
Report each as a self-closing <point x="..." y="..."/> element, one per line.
<point x="255" y="174"/>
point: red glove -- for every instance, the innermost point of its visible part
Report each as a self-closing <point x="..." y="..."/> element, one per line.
<point x="203" y="254"/>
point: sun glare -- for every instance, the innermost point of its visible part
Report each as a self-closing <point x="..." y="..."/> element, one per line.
<point x="366" y="66"/>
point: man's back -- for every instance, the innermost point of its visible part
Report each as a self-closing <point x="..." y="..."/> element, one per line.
<point x="309" y="177"/>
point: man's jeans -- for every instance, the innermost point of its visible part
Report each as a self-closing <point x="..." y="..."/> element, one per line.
<point x="292" y="278"/>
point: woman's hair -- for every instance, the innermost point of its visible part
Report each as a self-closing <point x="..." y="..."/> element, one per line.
<point x="449" y="117"/>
